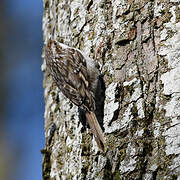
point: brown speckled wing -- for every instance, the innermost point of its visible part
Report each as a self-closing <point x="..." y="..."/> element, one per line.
<point x="69" y="71"/>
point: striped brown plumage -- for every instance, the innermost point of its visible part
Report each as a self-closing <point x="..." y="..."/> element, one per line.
<point x="76" y="75"/>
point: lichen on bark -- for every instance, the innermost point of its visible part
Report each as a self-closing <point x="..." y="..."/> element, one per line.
<point x="140" y="59"/>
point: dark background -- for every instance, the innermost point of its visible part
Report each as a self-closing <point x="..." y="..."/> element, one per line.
<point x="21" y="92"/>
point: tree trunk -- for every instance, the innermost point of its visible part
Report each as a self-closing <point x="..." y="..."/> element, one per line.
<point x="138" y="44"/>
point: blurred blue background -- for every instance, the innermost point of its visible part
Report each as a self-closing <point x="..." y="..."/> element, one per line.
<point x="21" y="92"/>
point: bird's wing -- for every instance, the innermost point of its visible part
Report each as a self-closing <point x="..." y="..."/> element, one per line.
<point x="69" y="71"/>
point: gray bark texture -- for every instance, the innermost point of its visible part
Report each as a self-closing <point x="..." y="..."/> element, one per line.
<point x="141" y="65"/>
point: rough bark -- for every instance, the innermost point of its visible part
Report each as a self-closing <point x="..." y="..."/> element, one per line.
<point x="141" y="66"/>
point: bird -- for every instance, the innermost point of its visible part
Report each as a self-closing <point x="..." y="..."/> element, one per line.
<point x="76" y="75"/>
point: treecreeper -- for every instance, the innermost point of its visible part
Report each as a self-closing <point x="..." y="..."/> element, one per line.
<point x="76" y="75"/>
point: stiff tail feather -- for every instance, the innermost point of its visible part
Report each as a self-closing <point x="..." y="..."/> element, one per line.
<point x="96" y="129"/>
